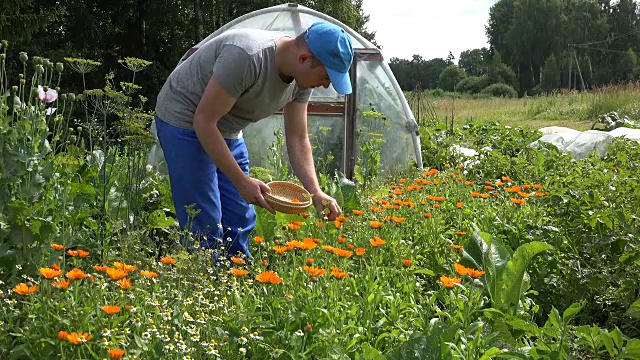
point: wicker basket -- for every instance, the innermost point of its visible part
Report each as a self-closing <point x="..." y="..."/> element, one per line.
<point x="287" y="197"/>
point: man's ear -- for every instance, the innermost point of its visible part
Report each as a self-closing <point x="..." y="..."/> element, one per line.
<point x="304" y="57"/>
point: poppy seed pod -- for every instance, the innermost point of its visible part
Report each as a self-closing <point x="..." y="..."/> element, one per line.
<point x="23" y="56"/>
<point x="37" y="60"/>
<point x="59" y="67"/>
<point x="63" y="97"/>
<point x="2" y="57"/>
<point x="39" y="69"/>
<point x="14" y="89"/>
<point x="72" y="97"/>
<point x="5" y="44"/>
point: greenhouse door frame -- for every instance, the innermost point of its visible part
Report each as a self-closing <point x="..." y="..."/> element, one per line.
<point x="350" y="145"/>
<point x="347" y="109"/>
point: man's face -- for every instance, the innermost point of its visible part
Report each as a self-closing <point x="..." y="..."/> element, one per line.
<point x="313" y="76"/>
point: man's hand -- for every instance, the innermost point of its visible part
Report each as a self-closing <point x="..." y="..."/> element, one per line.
<point x="322" y="200"/>
<point x="252" y="191"/>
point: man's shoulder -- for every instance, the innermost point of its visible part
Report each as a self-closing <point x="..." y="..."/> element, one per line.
<point x="251" y="40"/>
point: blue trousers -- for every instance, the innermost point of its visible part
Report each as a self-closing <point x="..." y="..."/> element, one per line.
<point x="225" y="218"/>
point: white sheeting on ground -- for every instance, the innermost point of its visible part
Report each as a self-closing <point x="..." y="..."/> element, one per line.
<point x="578" y="143"/>
<point x="581" y="143"/>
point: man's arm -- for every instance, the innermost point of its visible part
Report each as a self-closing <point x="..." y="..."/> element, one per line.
<point x="214" y="104"/>
<point x="301" y="157"/>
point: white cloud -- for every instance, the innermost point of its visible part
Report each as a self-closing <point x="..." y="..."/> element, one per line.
<point x="429" y="28"/>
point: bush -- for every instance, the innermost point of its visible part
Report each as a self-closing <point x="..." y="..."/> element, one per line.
<point x="473" y="84"/>
<point x="501" y="90"/>
<point x="450" y="77"/>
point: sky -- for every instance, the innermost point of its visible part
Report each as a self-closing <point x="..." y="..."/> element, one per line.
<point x="429" y="28"/>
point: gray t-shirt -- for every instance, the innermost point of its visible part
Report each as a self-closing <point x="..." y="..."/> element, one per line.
<point x="243" y="61"/>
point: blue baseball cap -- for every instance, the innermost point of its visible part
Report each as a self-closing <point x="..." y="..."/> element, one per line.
<point x="332" y="46"/>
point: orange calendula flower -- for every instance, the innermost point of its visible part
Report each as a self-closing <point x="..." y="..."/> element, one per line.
<point x="111" y="309"/>
<point x="258" y="239"/>
<point x="457" y="247"/>
<point x="269" y="277"/>
<point x="357" y="212"/>
<point x="376" y="241"/>
<point x="475" y="273"/>
<point x="339" y="274"/>
<point x="72" y="253"/>
<point x="449" y="282"/>
<point x="461" y="233"/>
<point x="375" y="224"/>
<point x="50" y="273"/>
<point x="125" y="283"/>
<point x="115" y="353"/>
<point x="541" y="194"/>
<point x="461" y="269"/>
<point x="237" y="260"/>
<point x="499" y="183"/>
<point x="360" y="251"/>
<point x="78" y="338"/>
<point x="489" y="187"/>
<point x="62" y="335"/>
<point x="293" y="226"/>
<point x="459" y="204"/>
<point x="537" y="186"/>
<point x="24" y="289"/>
<point x="338" y="224"/>
<point x="149" y="274"/>
<point x="468" y="182"/>
<point x="100" y="268"/>
<point x="82" y="253"/>
<point x="314" y="271"/>
<point x="76" y="274"/>
<point x="427" y="215"/>
<point x="506" y="178"/>
<point x="341" y="239"/>
<point x="116" y="274"/>
<point x="281" y="249"/>
<point x="168" y="261"/>
<point x="124" y="267"/>
<point x="309" y="261"/>
<point x="57" y="247"/>
<point x="406" y="262"/>
<point x="61" y="284"/>
<point x="239" y="272"/>
<point x="55" y="267"/>
<point x="398" y="220"/>
<point x="520" y="202"/>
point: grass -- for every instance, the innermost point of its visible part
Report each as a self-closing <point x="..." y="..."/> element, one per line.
<point x="573" y="109"/>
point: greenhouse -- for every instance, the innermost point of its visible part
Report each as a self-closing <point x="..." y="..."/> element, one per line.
<point x="373" y="124"/>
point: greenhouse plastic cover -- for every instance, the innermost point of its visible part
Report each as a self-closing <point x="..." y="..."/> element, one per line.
<point x="376" y="89"/>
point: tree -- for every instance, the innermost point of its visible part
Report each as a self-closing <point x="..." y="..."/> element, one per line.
<point x="450" y="76"/>
<point x="450" y="58"/>
<point x="20" y="19"/>
<point x="474" y="61"/>
<point x="550" y="74"/>
<point x="627" y="64"/>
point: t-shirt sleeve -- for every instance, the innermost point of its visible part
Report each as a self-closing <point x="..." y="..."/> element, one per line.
<point x="235" y="70"/>
<point x="303" y="95"/>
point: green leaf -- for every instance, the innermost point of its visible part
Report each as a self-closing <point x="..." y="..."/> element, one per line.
<point x="265" y="223"/>
<point x="608" y="343"/>
<point x="617" y="337"/>
<point x="634" y="310"/>
<point x="491" y="353"/>
<point x="511" y="281"/>
<point x="424" y="272"/>
<point x="370" y="353"/>
<point x="570" y="312"/>
<point x="631" y="350"/>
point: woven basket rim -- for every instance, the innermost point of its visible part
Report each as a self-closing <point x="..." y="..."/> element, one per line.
<point x="291" y="190"/>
